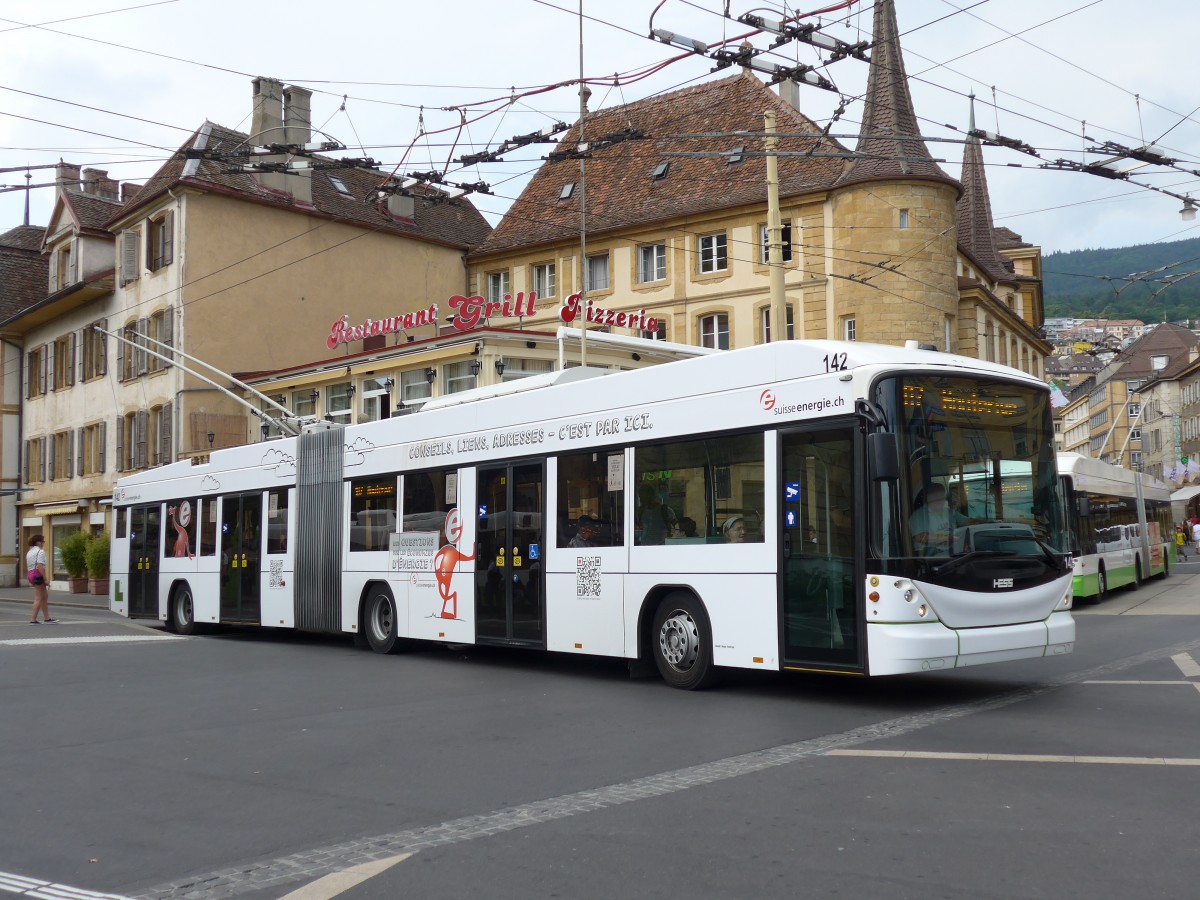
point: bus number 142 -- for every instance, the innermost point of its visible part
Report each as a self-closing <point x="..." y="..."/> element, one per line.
<point x="835" y="362"/>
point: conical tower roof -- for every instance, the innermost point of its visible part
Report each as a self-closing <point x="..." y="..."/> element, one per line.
<point x="973" y="215"/>
<point x="889" y="134"/>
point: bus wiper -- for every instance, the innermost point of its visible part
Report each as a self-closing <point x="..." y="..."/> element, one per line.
<point x="1055" y="558"/>
<point x="952" y="564"/>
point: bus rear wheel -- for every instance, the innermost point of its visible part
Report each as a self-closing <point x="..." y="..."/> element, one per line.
<point x="183" y="611"/>
<point x="380" y="621"/>
<point x="1101" y="585"/>
<point x="682" y="643"/>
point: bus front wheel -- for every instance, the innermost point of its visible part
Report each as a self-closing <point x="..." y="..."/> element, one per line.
<point x="682" y="643"/>
<point x="380" y="621"/>
<point x="1101" y="585"/>
<point x="183" y="611"/>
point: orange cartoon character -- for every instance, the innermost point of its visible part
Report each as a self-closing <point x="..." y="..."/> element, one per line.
<point x="445" y="561"/>
<point x="181" y="518"/>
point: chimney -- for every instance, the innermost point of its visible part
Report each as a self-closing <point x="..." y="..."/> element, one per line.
<point x="128" y="189"/>
<point x="297" y="115"/>
<point x="90" y="179"/>
<point x="96" y="183"/>
<point x="66" y="176"/>
<point x="402" y="206"/>
<point x="266" y="124"/>
<point x="789" y="93"/>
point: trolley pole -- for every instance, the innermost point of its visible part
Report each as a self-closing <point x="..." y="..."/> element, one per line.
<point x="775" y="235"/>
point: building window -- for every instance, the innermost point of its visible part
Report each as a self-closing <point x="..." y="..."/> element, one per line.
<point x="35" y="371"/>
<point x="596" y="273"/>
<point x="304" y="404"/>
<point x="91" y="449"/>
<point x="338" y="405"/>
<point x="947" y="332"/>
<point x="459" y="377"/>
<point x="159" y="235"/>
<point x="904" y="218"/>
<point x="714" y="331"/>
<point x="515" y="368"/>
<point x="415" y="389"/>
<point x="765" y="234"/>
<point x="60" y="450"/>
<point x="652" y="263"/>
<point x="158" y="331"/>
<point x="497" y="286"/>
<point x="95" y="351"/>
<point x="131" y="441"/>
<point x="713" y="253"/>
<point x="849" y="329"/>
<point x="659" y="334"/>
<point x="765" y="322"/>
<point x="543" y="280"/>
<point x="376" y="400"/>
<point x="129" y="263"/>
<point x="35" y="460"/>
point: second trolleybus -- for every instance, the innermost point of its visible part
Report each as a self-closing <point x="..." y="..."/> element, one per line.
<point x="800" y="505"/>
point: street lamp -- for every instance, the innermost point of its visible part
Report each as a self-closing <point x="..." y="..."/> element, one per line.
<point x="211" y="436"/>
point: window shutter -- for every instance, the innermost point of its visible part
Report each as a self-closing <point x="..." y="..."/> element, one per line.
<point x="30" y="376"/>
<point x="71" y="262"/>
<point x="49" y="453"/>
<point x="143" y="329"/>
<point x="79" y="450"/>
<point x="28" y="460"/>
<point x="42" y="459"/>
<point x="129" y="257"/>
<point x="101" y="350"/>
<point x="42" y="372"/>
<point x="164" y="450"/>
<point x="72" y="349"/>
<point x="71" y="454"/>
<point x="119" y="465"/>
<point x="167" y="334"/>
<point x="168" y="235"/>
<point x="54" y="273"/>
<point x="103" y="426"/>
<point x="141" y="425"/>
<point x="50" y="366"/>
<point x="80" y="338"/>
<point x="121" y="355"/>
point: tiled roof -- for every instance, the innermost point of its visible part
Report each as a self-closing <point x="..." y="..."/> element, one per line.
<point x="456" y="223"/>
<point x="24" y="275"/>
<point x="620" y="190"/>
<point x="1166" y="339"/>
<point x="93" y="213"/>
<point x="889" y="135"/>
<point x="24" y="237"/>
<point x="976" y="233"/>
<point x="1007" y="239"/>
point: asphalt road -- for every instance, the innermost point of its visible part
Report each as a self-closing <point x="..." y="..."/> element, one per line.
<point x="256" y="764"/>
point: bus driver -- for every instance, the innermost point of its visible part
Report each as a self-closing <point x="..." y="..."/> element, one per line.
<point x="932" y="524"/>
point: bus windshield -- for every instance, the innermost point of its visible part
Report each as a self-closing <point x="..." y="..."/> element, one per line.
<point x="978" y="475"/>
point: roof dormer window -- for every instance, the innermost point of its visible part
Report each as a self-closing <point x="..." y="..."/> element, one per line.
<point x="737" y="154"/>
<point x="567" y="190"/>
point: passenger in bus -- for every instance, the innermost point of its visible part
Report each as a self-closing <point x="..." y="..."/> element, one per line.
<point x="585" y="533"/>
<point x="734" y="530"/>
<point x="932" y="524"/>
<point x="684" y="528"/>
<point x="654" y="516"/>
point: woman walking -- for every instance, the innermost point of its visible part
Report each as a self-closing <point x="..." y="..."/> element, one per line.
<point x="39" y="577"/>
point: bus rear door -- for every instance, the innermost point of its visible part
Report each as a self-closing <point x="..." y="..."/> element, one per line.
<point x="509" y="578"/>
<point x="145" y="524"/>
<point x="241" y="553"/>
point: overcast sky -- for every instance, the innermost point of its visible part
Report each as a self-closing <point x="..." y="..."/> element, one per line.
<point x="152" y="74"/>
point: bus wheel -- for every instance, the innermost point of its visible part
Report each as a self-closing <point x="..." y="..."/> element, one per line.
<point x="1137" y="572"/>
<point x="1101" y="586"/>
<point x="682" y="643"/>
<point x="379" y="621"/>
<point x="1166" y="572"/>
<point x="183" y="611"/>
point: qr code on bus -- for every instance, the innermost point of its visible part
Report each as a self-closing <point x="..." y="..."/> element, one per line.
<point x="587" y="577"/>
<point x="276" y="573"/>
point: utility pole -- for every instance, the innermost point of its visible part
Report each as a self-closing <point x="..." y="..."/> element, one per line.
<point x="583" y="261"/>
<point x="775" y="236"/>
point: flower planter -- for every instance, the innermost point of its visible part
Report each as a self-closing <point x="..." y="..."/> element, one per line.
<point x="100" y="587"/>
<point x="77" y="585"/>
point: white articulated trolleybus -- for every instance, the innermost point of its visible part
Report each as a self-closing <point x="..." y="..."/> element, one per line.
<point x="752" y="509"/>
<point x="1119" y="523"/>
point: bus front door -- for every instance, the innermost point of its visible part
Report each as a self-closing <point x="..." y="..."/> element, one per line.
<point x="241" y="551"/>
<point x="144" y="537"/>
<point x="509" y="604"/>
<point x="818" y="571"/>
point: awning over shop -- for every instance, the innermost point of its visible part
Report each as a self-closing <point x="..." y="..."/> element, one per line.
<point x="1183" y="495"/>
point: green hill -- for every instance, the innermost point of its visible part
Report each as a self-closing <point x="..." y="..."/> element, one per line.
<point x="1075" y="282"/>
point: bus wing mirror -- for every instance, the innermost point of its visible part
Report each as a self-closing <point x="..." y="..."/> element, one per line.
<point x="883" y="456"/>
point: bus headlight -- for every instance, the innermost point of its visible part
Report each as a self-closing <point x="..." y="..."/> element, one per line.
<point x="1066" y="600"/>
<point x="922" y="610"/>
<point x="909" y="595"/>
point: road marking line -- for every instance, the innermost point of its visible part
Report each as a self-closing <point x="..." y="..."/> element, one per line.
<point x="111" y="639"/>
<point x="49" y="890"/>
<point x="340" y="882"/>
<point x="1138" y="682"/>
<point x="1187" y="665"/>
<point x="1020" y="757"/>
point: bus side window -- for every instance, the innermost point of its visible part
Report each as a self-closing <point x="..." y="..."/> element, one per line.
<point x="589" y="514"/>
<point x="428" y="497"/>
<point x="277" y="521"/>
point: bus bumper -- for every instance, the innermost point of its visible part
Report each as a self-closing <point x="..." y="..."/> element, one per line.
<point x="929" y="646"/>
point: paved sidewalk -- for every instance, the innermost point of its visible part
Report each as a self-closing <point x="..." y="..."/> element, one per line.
<point x="57" y="598"/>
